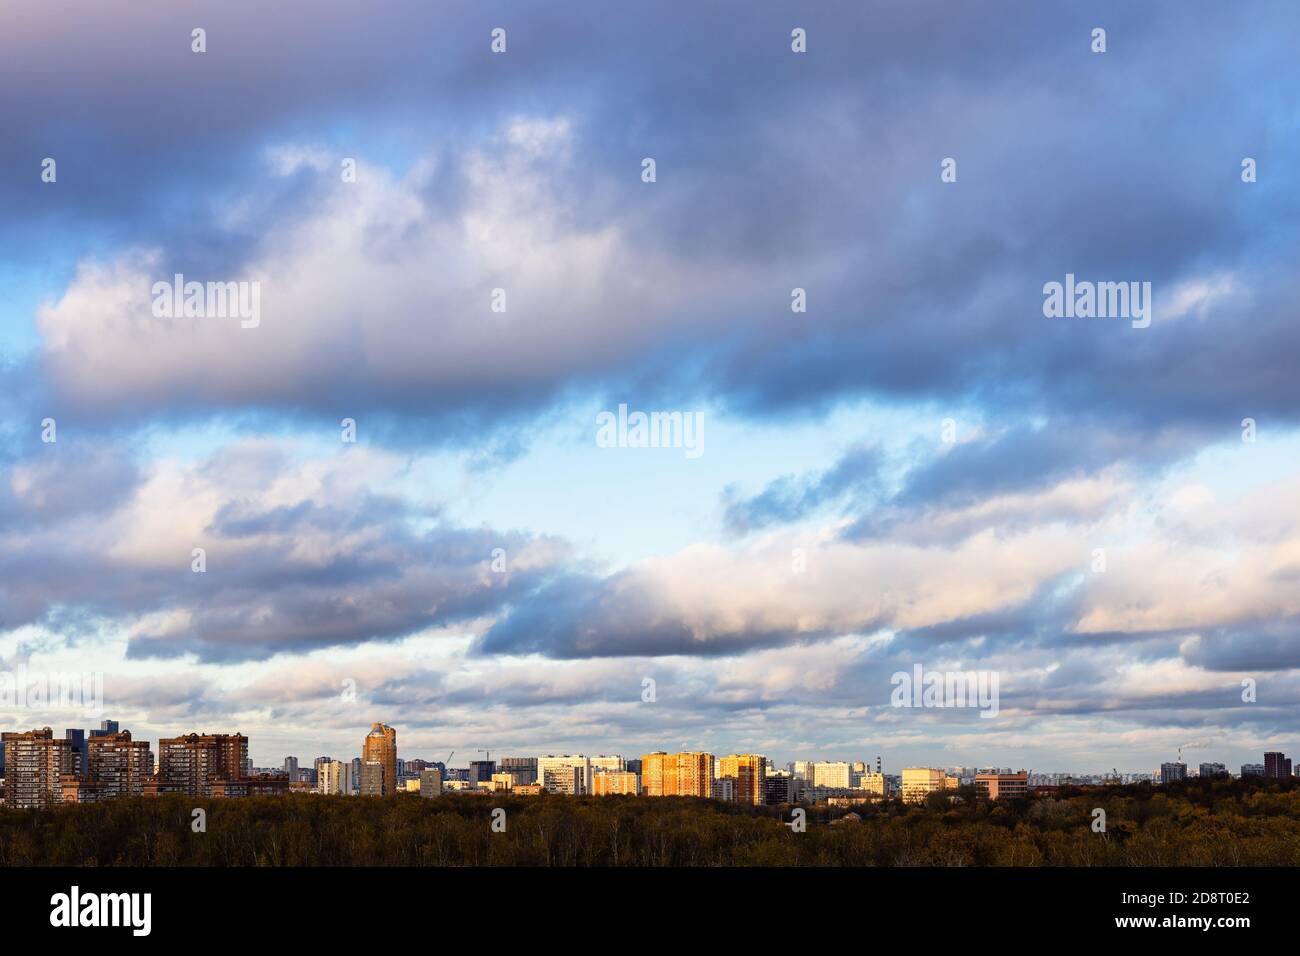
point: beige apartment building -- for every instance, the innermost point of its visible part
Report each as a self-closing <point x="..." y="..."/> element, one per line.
<point x="920" y="782"/>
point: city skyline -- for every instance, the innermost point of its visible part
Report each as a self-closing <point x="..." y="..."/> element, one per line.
<point x="678" y="375"/>
<point x="392" y="754"/>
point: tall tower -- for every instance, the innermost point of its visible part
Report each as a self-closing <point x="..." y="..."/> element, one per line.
<point x="380" y="747"/>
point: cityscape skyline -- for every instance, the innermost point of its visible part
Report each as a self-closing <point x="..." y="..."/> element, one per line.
<point x="399" y="754"/>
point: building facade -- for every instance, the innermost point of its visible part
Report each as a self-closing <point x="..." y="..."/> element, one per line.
<point x="523" y="769"/>
<point x="1001" y="786"/>
<point x="431" y="782"/>
<point x="831" y="773"/>
<point x="1169" y="772"/>
<point x="189" y="764"/>
<point x="380" y="746"/>
<point x="1276" y="765"/>
<point x="119" y="765"/>
<point x="374" y="781"/>
<point x="334" y="777"/>
<point x="612" y="782"/>
<point x="688" y="774"/>
<point x="568" y="773"/>
<point x="35" y="762"/>
<point x="920" y="782"/>
<point x="748" y="773"/>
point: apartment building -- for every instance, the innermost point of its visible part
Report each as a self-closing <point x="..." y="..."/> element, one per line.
<point x="833" y="774"/>
<point x="611" y="782"/>
<point x="431" y="782"/>
<point x="35" y="762"/>
<point x="688" y="774"/>
<point x="189" y="764"/>
<point x="920" y="782"/>
<point x="567" y="773"/>
<point x="334" y="777"/>
<point x="1000" y="786"/>
<point x="748" y="772"/>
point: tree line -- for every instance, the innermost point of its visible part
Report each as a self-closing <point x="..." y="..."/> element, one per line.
<point x="1193" y="823"/>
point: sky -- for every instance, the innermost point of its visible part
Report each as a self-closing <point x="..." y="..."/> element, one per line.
<point x="919" y="467"/>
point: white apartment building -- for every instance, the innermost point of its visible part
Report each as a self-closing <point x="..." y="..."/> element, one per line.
<point x="833" y="774"/>
<point x="334" y="776"/>
<point x="569" y="773"/>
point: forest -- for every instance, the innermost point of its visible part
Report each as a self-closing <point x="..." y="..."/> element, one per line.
<point x="1218" y="822"/>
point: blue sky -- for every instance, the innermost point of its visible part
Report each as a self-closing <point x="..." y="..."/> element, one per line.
<point x="919" y="468"/>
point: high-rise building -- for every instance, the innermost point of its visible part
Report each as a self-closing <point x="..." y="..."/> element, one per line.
<point x="1001" y="786"/>
<point x="290" y="768"/>
<point x="380" y="746"/>
<point x="748" y="772"/>
<point x="677" y="775"/>
<point x="119" y="765"/>
<point x="481" y="771"/>
<point x="189" y="764"/>
<point x="610" y="782"/>
<point x="920" y="782"/>
<point x="373" y="779"/>
<point x="431" y="783"/>
<point x="105" y="727"/>
<point x="571" y="773"/>
<point x="523" y="769"/>
<point x="35" y="760"/>
<point x="334" y="777"/>
<point x="831" y="773"/>
<point x="1252" y="770"/>
<point x="1169" y="772"/>
<point x="873" y="783"/>
<point x="356" y="774"/>
<point x="1212" y="770"/>
<point x="1276" y="765"/>
<point x="779" y="787"/>
<point x="77" y="741"/>
<point x="605" y="762"/>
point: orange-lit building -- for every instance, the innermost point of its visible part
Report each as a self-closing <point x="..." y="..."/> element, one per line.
<point x="677" y="775"/>
<point x="749" y="775"/>
<point x="380" y="746"/>
<point x="1002" y="785"/>
<point x="614" y="782"/>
